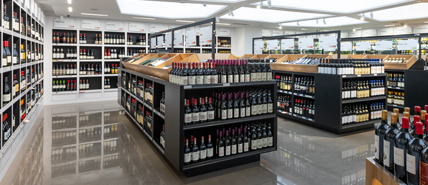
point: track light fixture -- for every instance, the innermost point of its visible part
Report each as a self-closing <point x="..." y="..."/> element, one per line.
<point x="217" y="19"/>
<point x="269" y="2"/>
<point x="317" y="21"/>
<point x="280" y="26"/>
<point x="323" y="20"/>
<point x="298" y="24"/>
<point x="405" y="25"/>
<point x="371" y="15"/>
<point x="354" y="29"/>
<point x="260" y="5"/>
<point x="362" y="18"/>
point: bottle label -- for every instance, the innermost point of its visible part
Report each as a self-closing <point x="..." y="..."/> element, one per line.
<point x="270" y="141"/>
<point x="236" y="77"/>
<point x="192" y="80"/>
<point x="162" y="142"/>
<point x="9" y="59"/>
<point x="242" y="78"/>
<point x="214" y="79"/>
<point x="203" y="116"/>
<point x="195" y="117"/>
<point x="224" y="114"/>
<point x="259" y="109"/>
<point x="246" y="147"/>
<point x="260" y="143"/>
<point x="269" y="76"/>
<point x="377" y="147"/>
<point x="269" y="107"/>
<point x="411" y="164"/>
<point x="199" y="80"/>
<point x="209" y="152"/>
<point x="207" y="80"/>
<point x="195" y="156"/>
<point x="254" y="144"/>
<point x="221" y="151"/>
<point x="386" y="151"/>
<point x="14" y="60"/>
<point x="6" y="97"/>
<point x="187" y="158"/>
<point x="399" y="156"/>
<point x="240" y="148"/>
<point x="247" y="77"/>
<point x="236" y="113"/>
<point x="162" y="107"/>
<point x="265" y="108"/>
<point x="203" y="154"/>
<point x="223" y="79"/>
<point x="229" y="113"/>
<point x="265" y="142"/>
<point x="253" y="77"/>
<point x="184" y="80"/>
<point x="4" y="62"/>
<point x="210" y="115"/>
<point x="242" y="112"/>
<point x="254" y="110"/>
<point x="227" y="150"/>
<point x="234" y="149"/>
<point x="230" y="78"/>
<point x="248" y="111"/>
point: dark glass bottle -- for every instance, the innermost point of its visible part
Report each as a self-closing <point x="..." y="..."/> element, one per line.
<point x="239" y="142"/>
<point x="242" y="105"/>
<point x="414" y="148"/>
<point x="223" y="73"/>
<point x="236" y="106"/>
<point x="210" y="111"/>
<point x="254" y="140"/>
<point x="195" y="152"/>
<point x="400" y="150"/>
<point x="187" y="153"/>
<point x="379" y="134"/>
<point x="192" y="74"/>
<point x="214" y="75"/>
<point x="388" y="144"/>
<point x="233" y="142"/>
<point x="247" y="72"/>
<point x="235" y="72"/>
<point x="254" y="105"/>
<point x="202" y="150"/>
<point x="224" y="108"/>
<point x="229" y="72"/>
<point x="245" y="140"/>
<point x="195" y="112"/>
<point x="203" y="111"/>
<point x="210" y="148"/>
<point x="230" y="107"/>
<point x="247" y="105"/>
<point x="241" y="71"/>
<point x="199" y="74"/>
<point x="221" y="146"/>
<point x="227" y="144"/>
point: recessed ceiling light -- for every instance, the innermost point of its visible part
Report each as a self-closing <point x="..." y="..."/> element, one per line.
<point x="304" y="29"/>
<point x="70" y="9"/>
<point x="329" y="22"/>
<point x="69" y="1"/>
<point x="94" y="14"/>
<point x="412" y="11"/>
<point x="169" y="9"/>
<point x="405" y="25"/>
<point x="222" y="23"/>
<point x="389" y="25"/>
<point x="144" y="18"/>
<point x="362" y="18"/>
<point x="184" y="21"/>
<point x="220" y="1"/>
<point x="342" y="6"/>
<point x="269" y="15"/>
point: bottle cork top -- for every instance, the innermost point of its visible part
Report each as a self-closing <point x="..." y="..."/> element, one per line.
<point x="426" y="107"/>
<point x="419" y="128"/>
<point x="416" y="119"/>
<point x="405" y="123"/>
<point x="393" y="118"/>
<point x="423" y="112"/>
<point x="396" y="110"/>
<point x="406" y="114"/>
<point x="384" y="115"/>
<point x="406" y="109"/>
<point x="417" y="109"/>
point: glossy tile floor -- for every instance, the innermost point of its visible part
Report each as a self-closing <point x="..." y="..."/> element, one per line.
<point x="97" y="144"/>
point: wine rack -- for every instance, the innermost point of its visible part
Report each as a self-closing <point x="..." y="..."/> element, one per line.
<point x="329" y="99"/>
<point x="131" y="100"/>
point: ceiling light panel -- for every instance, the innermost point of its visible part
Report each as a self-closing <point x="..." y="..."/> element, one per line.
<point x="413" y="11"/>
<point x="170" y="10"/>
<point x="338" y="6"/>
<point x="268" y="15"/>
<point x="219" y="1"/>
<point x="329" y="22"/>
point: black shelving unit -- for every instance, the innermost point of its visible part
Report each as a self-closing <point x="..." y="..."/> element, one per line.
<point x="175" y="128"/>
<point x="328" y="101"/>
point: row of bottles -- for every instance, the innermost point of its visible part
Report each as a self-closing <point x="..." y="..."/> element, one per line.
<point x="110" y="68"/>
<point x="62" y="122"/>
<point x="220" y="71"/>
<point x="63" y="154"/>
<point x="97" y="39"/>
<point x="61" y="85"/>
<point x="231" y="141"/>
<point x="114" y="39"/>
<point x="361" y="112"/>
<point x="304" y="85"/>
<point x="86" y="55"/>
<point x="90" y="133"/>
<point x="66" y="38"/>
<point x="305" y="61"/>
<point x="107" y="83"/>
<point x="63" y="69"/>
<point x="395" y="80"/>
<point x="89" y="69"/>
<point x="64" y="136"/>
<point x="237" y="105"/>
<point x="141" y="40"/>
<point x="362" y="88"/>
<point x="284" y="104"/>
<point x="144" y="118"/>
<point x="351" y="66"/>
<point x="84" y="84"/>
<point x="395" y="98"/>
<point x="134" y="52"/>
<point x="304" y="107"/>
<point x="114" y="54"/>
<point x="60" y="53"/>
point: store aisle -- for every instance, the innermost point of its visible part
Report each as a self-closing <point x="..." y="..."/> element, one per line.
<point x="108" y="149"/>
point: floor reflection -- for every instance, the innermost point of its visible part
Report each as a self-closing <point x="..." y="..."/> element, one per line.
<point x="98" y="144"/>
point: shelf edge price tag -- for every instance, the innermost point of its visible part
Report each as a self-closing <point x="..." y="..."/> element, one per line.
<point x="187" y="87"/>
<point x="226" y="84"/>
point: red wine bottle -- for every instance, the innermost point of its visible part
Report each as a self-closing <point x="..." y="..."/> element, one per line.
<point x="414" y="148"/>
<point x="388" y="144"/>
<point x="220" y="146"/>
<point x="210" y="148"/>
<point x="187" y="153"/>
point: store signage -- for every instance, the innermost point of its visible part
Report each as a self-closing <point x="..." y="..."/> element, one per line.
<point x="368" y="33"/>
<point x="345" y="46"/>
<point x="328" y="43"/>
<point x="407" y="45"/>
<point x="178" y="39"/>
<point x="402" y="30"/>
<point x="114" y="25"/>
<point x="386" y="31"/>
<point x="168" y="38"/>
<point x="383" y="45"/>
<point x="272" y="44"/>
<point x="205" y="35"/>
<point x="258" y="45"/>
<point x="191" y="37"/>
<point x="132" y="26"/>
<point x="64" y="22"/>
<point x="276" y="32"/>
<point x="156" y="28"/>
<point x="153" y="42"/>
<point x="306" y="43"/>
<point x="224" y="32"/>
<point x="90" y="24"/>
<point x="344" y="34"/>
<point x="363" y="46"/>
<point x="422" y="28"/>
<point x="287" y="44"/>
<point x="266" y="33"/>
<point x="160" y="41"/>
<point x="357" y="33"/>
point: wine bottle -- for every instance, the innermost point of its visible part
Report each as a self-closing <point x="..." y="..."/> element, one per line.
<point x="245" y="140"/>
<point x="230" y="106"/>
<point x="414" y="148"/>
<point x="214" y="75"/>
<point x="388" y="143"/>
<point x="210" y="148"/>
<point x="227" y="144"/>
<point x="6" y="91"/>
<point x="379" y="134"/>
<point x="202" y="150"/>
<point x="400" y="150"/>
<point x="202" y="111"/>
<point x="187" y="114"/>
<point x="210" y="111"/>
<point x="187" y="153"/>
<point x="207" y="73"/>
<point x="234" y="143"/>
<point x="195" y="112"/>
<point x="192" y="74"/>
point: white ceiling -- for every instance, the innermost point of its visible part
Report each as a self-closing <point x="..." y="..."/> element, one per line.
<point x="339" y="14"/>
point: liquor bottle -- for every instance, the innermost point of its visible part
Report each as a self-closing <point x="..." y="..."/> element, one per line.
<point x="224" y="108"/>
<point x="202" y="150"/>
<point x="210" y="148"/>
<point x="234" y="144"/>
<point x="414" y="148"/>
<point x="227" y="144"/>
<point x="388" y="143"/>
<point x="210" y="111"/>
<point x="202" y="111"/>
<point x="230" y="106"/>
<point x="187" y="153"/>
<point x="192" y="74"/>
<point x="379" y="134"/>
<point x="6" y="91"/>
<point x="220" y="145"/>
<point x="400" y="150"/>
<point x="195" y="112"/>
<point x="187" y="114"/>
